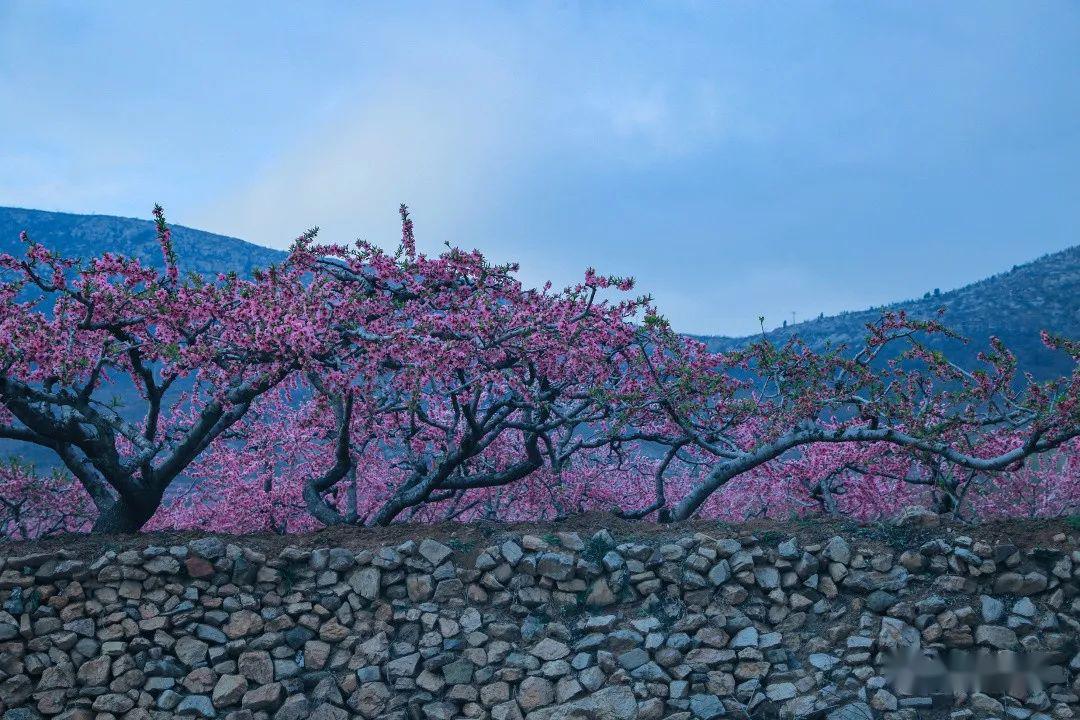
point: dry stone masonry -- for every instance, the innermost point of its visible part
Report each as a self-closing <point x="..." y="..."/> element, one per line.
<point x="690" y="625"/>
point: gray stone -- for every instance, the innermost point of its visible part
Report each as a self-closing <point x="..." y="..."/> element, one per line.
<point x="880" y="601"/>
<point x="433" y="551"/>
<point x="535" y="692"/>
<point x="229" y="690"/>
<point x="720" y="573"/>
<point x="992" y="608"/>
<point x="557" y="566"/>
<point x="365" y="582"/>
<point x="197" y="706"/>
<point x="210" y="548"/>
<point x="633" y="659"/>
<point x="823" y="661"/>
<point x="706" y="707"/>
<point x="549" y="649"/>
<point x="611" y="703"/>
<point x="851" y="711"/>
<point x="778" y="692"/>
<point x="838" y="550"/>
<point x="995" y="636"/>
<point x="747" y="637"/>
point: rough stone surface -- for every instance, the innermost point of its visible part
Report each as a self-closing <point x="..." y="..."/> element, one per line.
<point x="542" y="626"/>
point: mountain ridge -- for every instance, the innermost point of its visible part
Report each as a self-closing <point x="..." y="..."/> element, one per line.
<point x="79" y="235"/>
<point x="1014" y="305"/>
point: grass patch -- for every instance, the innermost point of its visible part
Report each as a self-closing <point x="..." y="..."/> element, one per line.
<point x="596" y="548"/>
<point x="898" y="537"/>
<point x="460" y="546"/>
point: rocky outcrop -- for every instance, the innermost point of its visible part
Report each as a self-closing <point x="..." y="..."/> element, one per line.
<point x="537" y="627"/>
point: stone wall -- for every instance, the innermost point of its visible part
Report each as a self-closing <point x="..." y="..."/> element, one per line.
<point x="692" y="623"/>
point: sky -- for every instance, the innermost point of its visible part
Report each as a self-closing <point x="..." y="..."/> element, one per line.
<point x="738" y="158"/>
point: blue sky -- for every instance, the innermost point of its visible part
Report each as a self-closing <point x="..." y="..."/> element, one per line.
<point x="738" y="158"/>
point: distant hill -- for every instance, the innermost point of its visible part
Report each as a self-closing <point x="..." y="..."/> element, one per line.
<point x="1014" y="306"/>
<point x="88" y="235"/>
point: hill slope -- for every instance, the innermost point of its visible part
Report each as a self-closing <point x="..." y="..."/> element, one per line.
<point x="88" y="235"/>
<point x="1014" y="306"/>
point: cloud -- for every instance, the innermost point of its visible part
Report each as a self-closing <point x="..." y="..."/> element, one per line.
<point x="737" y="158"/>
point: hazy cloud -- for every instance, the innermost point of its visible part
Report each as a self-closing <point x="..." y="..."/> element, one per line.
<point x="740" y="159"/>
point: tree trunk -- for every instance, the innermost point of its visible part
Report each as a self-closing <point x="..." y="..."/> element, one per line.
<point x="125" y="516"/>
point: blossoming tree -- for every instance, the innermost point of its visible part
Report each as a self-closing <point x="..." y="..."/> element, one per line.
<point x="351" y="385"/>
<point x="474" y="382"/>
<point x="69" y="329"/>
<point x="722" y="416"/>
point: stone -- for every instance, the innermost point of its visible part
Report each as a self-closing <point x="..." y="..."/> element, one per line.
<point x="1024" y="608"/>
<point x="549" y="649"/>
<point x="706" y="707"/>
<point x="720" y="573"/>
<point x="365" y="582"/>
<point x="196" y="706"/>
<point x="433" y="551"/>
<point x="242" y="623"/>
<point x="895" y="633"/>
<point x="557" y="566"/>
<point x="94" y="671"/>
<point x="633" y="659"/>
<point x="986" y="704"/>
<point x="880" y="601"/>
<point x="340" y="559"/>
<point x="256" y="666"/>
<point x="883" y="700"/>
<point x="823" y="661"/>
<point x="402" y="667"/>
<point x="788" y="550"/>
<point x="851" y="711"/>
<point x="747" y="637"/>
<point x="600" y="594"/>
<point x="494" y="693"/>
<point x="197" y="567"/>
<point x="610" y="703"/>
<point x="190" y="651"/>
<point x="778" y="692"/>
<point x="535" y="692"/>
<point x="113" y="703"/>
<point x="211" y="548"/>
<point x="163" y="565"/>
<point x="458" y="672"/>
<point x="838" y="550"/>
<point x="916" y="516"/>
<point x="229" y="690"/>
<point x="263" y="698"/>
<point x="326" y="711"/>
<point x="996" y="636"/>
<point x="767" y="577"/>
<point x="295" y="707"/>
<point x="992" y="608"/>
<point x="419" y="587"/>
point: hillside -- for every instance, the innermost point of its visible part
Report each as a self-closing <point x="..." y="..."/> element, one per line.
<point x="1014" y="306"/>
<point x="87" y="235"/>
